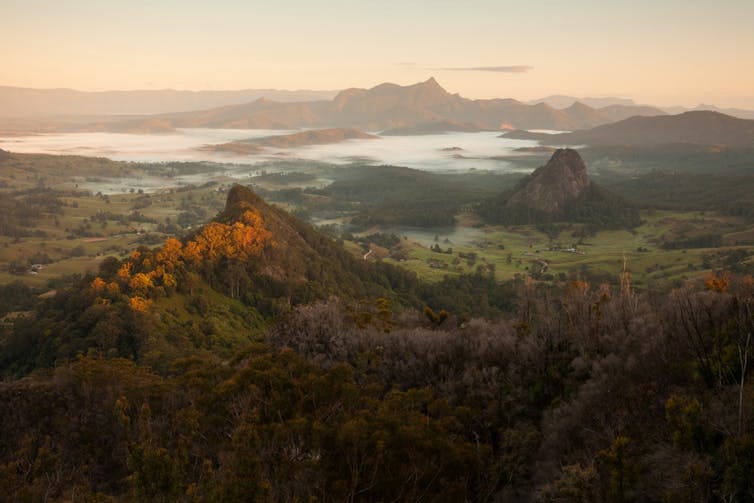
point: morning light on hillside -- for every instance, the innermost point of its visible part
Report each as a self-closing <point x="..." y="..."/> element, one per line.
<point x="483" y="251"/>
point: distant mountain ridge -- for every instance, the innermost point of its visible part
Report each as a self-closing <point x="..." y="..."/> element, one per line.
<point x="432" y="128"/>
<point x="735" y="112"/>
<point x="564" y="101"/>
<point x="422" y="103"/>
<point x="700" y="128"/>
<point x="19" y="102"/>
<point x="391" y="106"/>
<point x="561" y="101"/>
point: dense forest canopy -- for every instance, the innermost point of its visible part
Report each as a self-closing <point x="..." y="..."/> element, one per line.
<point x="178" y="374"/>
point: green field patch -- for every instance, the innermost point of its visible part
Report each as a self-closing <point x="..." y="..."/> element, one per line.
<point x="525" y="250"/>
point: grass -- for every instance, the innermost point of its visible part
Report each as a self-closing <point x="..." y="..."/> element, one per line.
<point x="78" y="254"/>
<point x="518" y="250"/>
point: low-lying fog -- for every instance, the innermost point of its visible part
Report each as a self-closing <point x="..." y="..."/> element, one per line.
<point x="450" y="152"/>
<point x="437" y="152"/>
<point x="182" y="145"/>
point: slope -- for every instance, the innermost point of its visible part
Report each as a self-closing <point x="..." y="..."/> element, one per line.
<point x="699" y="128"/>
<point x="208" y="294"/>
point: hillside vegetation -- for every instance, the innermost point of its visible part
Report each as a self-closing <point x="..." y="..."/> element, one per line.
<point x="584" y="392"/>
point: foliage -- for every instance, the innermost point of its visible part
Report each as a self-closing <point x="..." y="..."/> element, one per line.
<point x="729" y="194"/>
<point x="19" y="210"/>
<point x="394" y="196"/>
<point x="150" y="381"/>
<point x="584" y="393"/>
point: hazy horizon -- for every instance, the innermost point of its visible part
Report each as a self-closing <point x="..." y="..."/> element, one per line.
<point x="662" y="53"/>
<point x="595" y="96"/>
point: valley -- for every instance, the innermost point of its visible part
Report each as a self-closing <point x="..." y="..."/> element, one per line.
<point x="439" y="235"/>
<point x="386" y="294"/>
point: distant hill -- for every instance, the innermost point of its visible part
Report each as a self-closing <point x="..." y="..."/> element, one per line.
<point x="259" y="114"/>
<point x="735" y="112"/>
<point x="549" y="188"/>
<point x="300" y="139"/>
<point x="19" y="102"/>
<point x="616" y="112"/>
<point x="599" y="110"/>
<point x="699" y="128"/>
<point x="563" y="101"/>
<point x="560" y="191"/>
<point x="432" y="128"/>
<point x="393" y="107"/>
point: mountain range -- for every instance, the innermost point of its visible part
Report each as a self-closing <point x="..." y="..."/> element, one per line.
<point x="422" y="108"/>
<point x="561" y="101"/>
<point x="20" y="102"/>
<point x="386" y="106"/>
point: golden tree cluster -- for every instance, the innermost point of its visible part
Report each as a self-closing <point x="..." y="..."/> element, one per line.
<point x="240" y="240"/>
<point x="148" y="270"/>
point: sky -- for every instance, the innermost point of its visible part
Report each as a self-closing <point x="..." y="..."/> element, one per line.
<point x="662" y="52"/>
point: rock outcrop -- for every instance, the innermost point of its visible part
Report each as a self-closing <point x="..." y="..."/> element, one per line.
<point x="551" y="187"/>
<point x="560" y="191"/>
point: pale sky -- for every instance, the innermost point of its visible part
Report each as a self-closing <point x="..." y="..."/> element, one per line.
<point x="664" y="52"/>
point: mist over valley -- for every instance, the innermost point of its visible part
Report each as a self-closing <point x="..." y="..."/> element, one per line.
<point x="363" y="252"/>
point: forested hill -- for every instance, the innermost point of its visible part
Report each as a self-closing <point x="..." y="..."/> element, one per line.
<point x="216" y="290"/>
<point x="240" y="364"/>
<point x="211" y="291"/>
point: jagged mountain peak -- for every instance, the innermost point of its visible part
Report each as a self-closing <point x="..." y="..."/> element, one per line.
<point x="420" y="94"/>
<point x="560" y="191"/>
<point x="431" y="83"/>
<point x="550" y="187"/>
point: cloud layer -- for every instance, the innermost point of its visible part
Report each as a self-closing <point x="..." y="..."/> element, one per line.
<point x="497" y="69"/>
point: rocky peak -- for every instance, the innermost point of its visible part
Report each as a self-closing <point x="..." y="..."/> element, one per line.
<point x="385" y="98"/>
<point x="239" y="200"/>
<point x="553" y="185"/>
